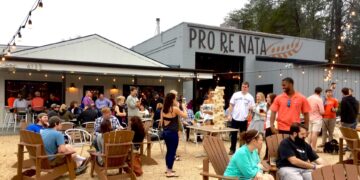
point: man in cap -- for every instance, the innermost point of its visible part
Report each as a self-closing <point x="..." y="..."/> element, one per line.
<point x="54" y="110"/>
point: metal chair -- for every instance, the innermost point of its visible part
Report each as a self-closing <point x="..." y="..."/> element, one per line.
<point x="17" y="115"/>
<point x="79" y="137"/>
<point x="8" y="119"/>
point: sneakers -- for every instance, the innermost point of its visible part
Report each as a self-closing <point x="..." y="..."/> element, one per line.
<point x="231" y="152"/>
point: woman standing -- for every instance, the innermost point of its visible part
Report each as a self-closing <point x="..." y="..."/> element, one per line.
<point x="208" y="108"/>
<point x="170" y="123"/>
<point x="259" y="113"/>
<point x="120" y="113"/>
<point x="245" y="163"/>
<point x="269" y="100"/>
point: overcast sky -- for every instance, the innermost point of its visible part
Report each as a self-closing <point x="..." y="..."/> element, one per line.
<point x="125" y="22"/>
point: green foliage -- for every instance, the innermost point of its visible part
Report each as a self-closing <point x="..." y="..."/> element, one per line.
<point x="318" y="19"/>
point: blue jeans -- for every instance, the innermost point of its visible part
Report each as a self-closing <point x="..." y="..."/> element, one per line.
<point x="349" y="125"/>
<point x="172" y="141"/>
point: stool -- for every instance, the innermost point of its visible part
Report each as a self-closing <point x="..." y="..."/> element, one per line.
<point x="9" y="118"/>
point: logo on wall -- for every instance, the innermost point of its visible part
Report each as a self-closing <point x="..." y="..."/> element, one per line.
<point x="283" y="49"/>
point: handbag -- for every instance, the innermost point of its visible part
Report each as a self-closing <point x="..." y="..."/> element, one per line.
<point x="137" y="165"/>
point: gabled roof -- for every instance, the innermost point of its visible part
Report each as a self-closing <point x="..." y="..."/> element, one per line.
<point x="92" y="49"/>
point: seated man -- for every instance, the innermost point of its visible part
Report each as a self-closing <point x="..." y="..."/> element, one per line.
<point x="41" y="123"/>
<point x="296" y="158"/>
<point x="106" y="115"/>
<point x="54" y="143"/>
<point x="88" y="115"/>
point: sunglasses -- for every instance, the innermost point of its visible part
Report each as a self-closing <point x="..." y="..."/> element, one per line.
<point x="288" y="103"/>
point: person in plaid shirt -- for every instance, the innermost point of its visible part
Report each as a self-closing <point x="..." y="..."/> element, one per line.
<point x="106" y="115"/>
<point x="188" y="121"/>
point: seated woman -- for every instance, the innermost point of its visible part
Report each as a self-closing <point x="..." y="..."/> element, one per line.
<point x="105" y="127"/>
<point x="138" y="127"/>
<point x="64" y="114"/>
<point x="143" y="111"/>
<point x="245" y="163"/>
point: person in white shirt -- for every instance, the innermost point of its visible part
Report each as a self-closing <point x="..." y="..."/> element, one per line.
<point x="240" y="104"/>
<point x="20" y="102"/>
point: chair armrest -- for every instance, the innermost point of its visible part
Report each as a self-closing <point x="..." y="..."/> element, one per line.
<point x="218" y="176"/>
<point x="56" y="155"/>
<point x="94" y="153"/>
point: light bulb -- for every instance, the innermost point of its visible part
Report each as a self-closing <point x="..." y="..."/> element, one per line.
<point x="333" y="61"/>
<point x="325" y="69"/>
<point x="19" y="38"/>
<point x="46" y="75"/>
<point x="160" y="80"/>
<point x="79" y="77"/>
<point x="114" y="80"/>
<point x="41" y="5"/>
<point x="198" y="79"/>
<point x="259" y="76"/>
<point x="332" y="67"/>
<point x="8" y="53"/>
<point x="179" y="80"/>
<point x="353" y="13"/>
<point x="218" y="78"/>
<point x="303" y="72"/>
<point x="281" y="74"/>
<point x="62" y="77"/>
<point x="3" y="58"/>
<point x="97" y="79"/>
<point x="356" y="81"/>
<point x="336" y="55"/>
<point x="14" y="72"/>
<point x="30" y="74"/>
<point x="30" y="24"/>
<point x="133" y="80"/>
<point x="347" y="70"/>
<point x="13" y="46"/>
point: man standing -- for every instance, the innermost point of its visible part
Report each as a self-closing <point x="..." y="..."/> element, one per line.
<point x="349" y="109"/>
<point x="42" y="122"/>
<point x="296" y="158"/>
<point x="331" y="105"/>
<point x="157" y="99"/>
<point x="133" y="103"/>
<point x="315" y="115"/>
<point x="333" y="89"/>
<point x="240" y="104"/>
<point x="288" y="106"/>
<point x="102" y="102"/>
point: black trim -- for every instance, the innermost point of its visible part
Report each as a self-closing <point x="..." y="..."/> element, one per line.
<point x="283" y="60"/>
<point x="95" y="64"/>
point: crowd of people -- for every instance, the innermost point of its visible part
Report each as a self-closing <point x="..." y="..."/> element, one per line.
<point x="287" y="113"/>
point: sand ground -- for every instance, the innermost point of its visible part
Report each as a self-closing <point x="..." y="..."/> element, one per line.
<point x="188" y="168"/>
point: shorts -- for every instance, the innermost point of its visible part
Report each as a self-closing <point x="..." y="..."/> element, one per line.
<point x="315" y="126"/>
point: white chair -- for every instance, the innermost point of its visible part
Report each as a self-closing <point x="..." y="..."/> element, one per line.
<point x="8" y="119"/>
<point x="155" y="132"/>
<point x="18" y="114"/>
<point x="79" y="137"/>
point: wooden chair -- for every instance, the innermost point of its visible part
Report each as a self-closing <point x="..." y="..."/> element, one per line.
<point x="337" y="172"/>
<point x="117" y="148"/>
<point x="66" y="125"/>
<point x="89" y="127"/>
<point x="34" y="144"/>
<point x="218" y="157"/>
<point x="273" y="143"/>
<point x="353" y="143"/>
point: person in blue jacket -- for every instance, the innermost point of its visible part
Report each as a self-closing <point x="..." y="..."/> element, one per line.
<point x="245" y="163"/>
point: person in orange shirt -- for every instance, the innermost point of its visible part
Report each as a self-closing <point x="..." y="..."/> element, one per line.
<point x="288" y="107"/>
<point x="331" y="105"/>
<point x="37" y="103"/>
<point x="11" y="100"/>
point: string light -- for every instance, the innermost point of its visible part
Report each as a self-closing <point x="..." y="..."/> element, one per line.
<point x="62" y="77"/>
<point x="30" y="74"/>
<point x="160" y="80"/>
<point x="218" y="78"/>
<point x="332" y="67"/>
<point x="353" y="13"/>
<point x="259" y="76"/>
<point x="339" y="47"/>
<point x="336" y="55"/>
<point x="46" y="75"/>
<point x="333" y="61"/>
<point x="3" y="58"/>
<point x="97" y="79"/>
<point x="132" y="80"/>
<point x="179" y="80"/>
<point x="8" y="52"/>
<point x="79" y="77"/>
<point x="303" y="71"/>
<point x="13" y="71"/>
<point x="27" y="21"/>
<point x="114" y="80"/>
<point x="347" y="70"/>
<point x="325" y="69"/>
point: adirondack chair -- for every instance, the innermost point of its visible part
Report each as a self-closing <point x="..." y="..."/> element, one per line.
<point x="66" y="125"/>
<point x="218" y="157"/>
<point x="34" y="144"/>
<point x="353" y="142"/>
<point x="117" y="148"/>
<point x="273" y="143"/>
<point x="337" y="172"/>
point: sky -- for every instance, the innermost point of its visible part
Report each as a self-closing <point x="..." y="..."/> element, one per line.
<point x="127" y="22"/>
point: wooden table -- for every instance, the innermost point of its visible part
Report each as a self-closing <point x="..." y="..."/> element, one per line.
<point x="209" y="129"/>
